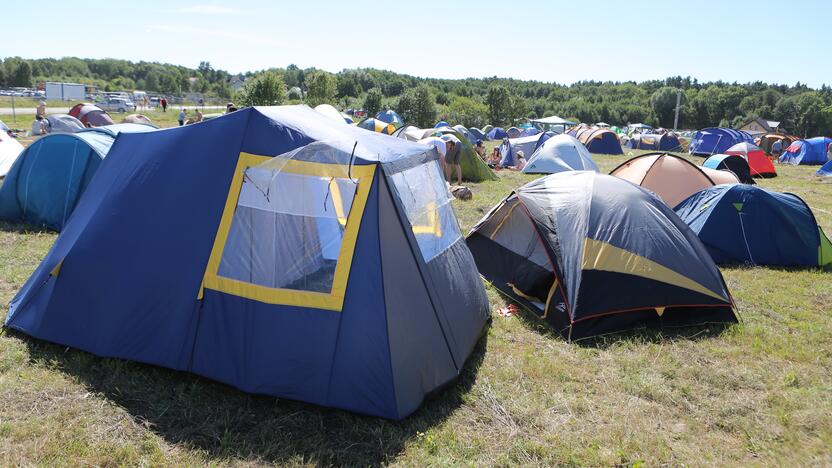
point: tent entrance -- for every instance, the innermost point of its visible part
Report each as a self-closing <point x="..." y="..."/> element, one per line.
<point x="288" y="231"/>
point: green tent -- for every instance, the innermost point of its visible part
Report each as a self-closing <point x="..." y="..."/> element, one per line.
<point x="474" y="169"/>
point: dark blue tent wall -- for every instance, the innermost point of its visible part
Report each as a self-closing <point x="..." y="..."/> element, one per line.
<point x="715" y="140"/>
<point x="379" y="355"/>
<point x="812" y="152"/>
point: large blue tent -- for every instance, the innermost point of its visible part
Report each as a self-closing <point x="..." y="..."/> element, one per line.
<point x="275" y="250"/>
<point x="497" y="133"/>
<point x="748" y="224"/>
<point x="811" y="152"/>
<point x="715" y="140"/>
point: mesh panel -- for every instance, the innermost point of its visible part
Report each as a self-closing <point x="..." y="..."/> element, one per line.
<point x="427" y="204"/>
<point x="287" y="229"/>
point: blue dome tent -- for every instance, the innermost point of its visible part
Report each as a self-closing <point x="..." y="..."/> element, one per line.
<point x="272" y="249"/>
<point x="747" y="224"/>
<point x="654" y="142"/>
<point x="390" y="117"/>
<point x="811" y="152"/>
<point x="441" y="123"/>
<point x="598" y="140"/>
<point x="497" y="133"/>
<point x="714" y="140"/>
<point x="46" y="181"/>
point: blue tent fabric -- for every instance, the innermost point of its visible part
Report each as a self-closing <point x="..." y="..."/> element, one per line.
<point x="558" y="154"/>
<point x="715" y="140"/>
<point x="826" y="169"/>
<point x="510" y="147"/>
<point x="130" y="274"/>
<point x="441" y="123"/>
<point x="747" y="224"/>
<point x="45" y="183"/>
<point x="497" y="133"/>
<point x="811" y="152"/>
<point x="115" y="129"/>
<point x="390" y="117"/>
<point x="477" y="134"/>
<point x="529" y="131"/>
<point x="654" y="142"/>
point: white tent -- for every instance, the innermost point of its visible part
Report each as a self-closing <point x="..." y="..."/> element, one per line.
<point x="552" y="122"/>
<point x="558" y="154"/>
<point x="10" y="149"/>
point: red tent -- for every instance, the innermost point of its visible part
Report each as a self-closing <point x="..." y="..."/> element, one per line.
<point x="758" y="162"/>
<point x="90" y="115"/>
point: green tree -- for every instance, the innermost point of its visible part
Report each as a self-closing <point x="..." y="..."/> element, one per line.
<point x="21" y="75"/>
<point x="663" y="103"/>
<point x="348" y="86"/>
<point x="266" y="89"/>
<point x="467" y="111"/>
<point x="498" y="101"/>
<point x="372" y="101"/>
<point x="417" y="106"/>
<point x="321" y="88"/>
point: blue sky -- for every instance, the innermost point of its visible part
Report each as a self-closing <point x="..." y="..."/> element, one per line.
<point x="550" y="41"/>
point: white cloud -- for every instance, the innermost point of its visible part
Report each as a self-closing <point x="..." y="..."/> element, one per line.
<point x="210" y="10"/>
<point x="251" y="39"/>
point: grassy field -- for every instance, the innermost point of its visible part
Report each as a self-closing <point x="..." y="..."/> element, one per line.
<point x="759" y="393"/>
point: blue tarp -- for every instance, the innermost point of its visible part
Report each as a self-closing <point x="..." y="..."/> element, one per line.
<point x="748" y="224"/>
<point x="811" y="152"/>
<point x="715" y="140"/>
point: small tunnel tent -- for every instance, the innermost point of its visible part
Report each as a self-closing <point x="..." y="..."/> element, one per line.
<point x="379" y="308"/>
<point x="654" y="142"/>
<point x="561" y="246"/>
<point x="91" y="115"/>
<point x="758" y="162"/>
<point x="598" y="140"/>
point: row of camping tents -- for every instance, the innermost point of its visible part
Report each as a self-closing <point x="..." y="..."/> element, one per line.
<point x="316" y="261"/>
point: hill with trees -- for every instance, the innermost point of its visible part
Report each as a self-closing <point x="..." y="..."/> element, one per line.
<point x="471" y="102"/>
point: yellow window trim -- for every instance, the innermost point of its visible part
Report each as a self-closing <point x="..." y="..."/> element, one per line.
<point x="334" y="300"/>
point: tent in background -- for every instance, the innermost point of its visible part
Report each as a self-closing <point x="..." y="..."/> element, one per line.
<point x="530" y="131"/>
<point x="474" y="169"/>
<point x="598" y="140"/>
<point x="769" y="138"/>
<point x="497" y="133"/>
<point x="464" y="132"/>
<point x="331" y="112"/>
<point x="752" y="225"/>
<point x="90" y="115"/>
<point x="477" y="134"/>
<point x="655" y="142"/>
<point x="390" y="116"/>
<point x="714" y="140"/>
<point x="510" y="147"/>
<point x="44" y="185"/>
<point x="670" y="177"/>
<point x="10" y="149"/>
<point x="138" y="119"/>
<point x="294" y="262"/>
<point x="825" y="170"/>
<point x="758" y="162"/>
<point x="553" y="123"/>
<point x="377" y="126"/>
<point x="441" y="123"/>
<point x="56" y="123"/>
<point x="560" y="153"/>
<point x="514" y="132"/>
<point x="811" y="152"/>
<point x="569" y="256"/>
<point x="734" y="163"/>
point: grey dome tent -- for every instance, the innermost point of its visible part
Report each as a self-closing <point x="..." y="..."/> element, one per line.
<point x="59" y="123"/>
<point x="560" y="153"/>
<point x="565" y="247"/>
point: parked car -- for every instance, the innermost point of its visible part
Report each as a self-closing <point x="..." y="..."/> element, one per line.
<point x="117" y="104"/>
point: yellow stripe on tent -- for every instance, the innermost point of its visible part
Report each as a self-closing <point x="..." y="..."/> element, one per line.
<point x="606" y="257"/>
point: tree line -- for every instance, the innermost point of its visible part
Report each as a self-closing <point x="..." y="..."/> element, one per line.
<point x="473" y="102"/>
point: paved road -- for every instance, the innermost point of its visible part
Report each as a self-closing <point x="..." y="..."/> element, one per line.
<point x="64" y="110"/>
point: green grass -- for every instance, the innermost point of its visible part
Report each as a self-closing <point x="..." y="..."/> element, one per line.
<point x="759" y="393"/>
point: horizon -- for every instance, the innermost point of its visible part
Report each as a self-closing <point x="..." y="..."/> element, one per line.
<point x="477" y="45"/>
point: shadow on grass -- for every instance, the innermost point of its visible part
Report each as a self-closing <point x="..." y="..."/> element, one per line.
<point x="19" y="228"/>
<point x="227" y="424"/>
<point x="637" y="335"/>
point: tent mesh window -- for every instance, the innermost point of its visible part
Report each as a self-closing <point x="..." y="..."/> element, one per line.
<point x="281" y="240"/>
<point x="427" y="203"/>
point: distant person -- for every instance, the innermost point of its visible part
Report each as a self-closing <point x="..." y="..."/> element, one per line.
<point x="198" y="117"/>
<point x="521" y="162"/>
<point x="182" y="116"/>
<point x="453" y="154"/>
<point x="494" y="158"/>
<point x="776" y="149"/>
<point x="40" y="113"/>
<point x="480" y="149"/>
<point x="228" y="108"/>
<point x="164" y="103"/>
<point x="829" y="152"/>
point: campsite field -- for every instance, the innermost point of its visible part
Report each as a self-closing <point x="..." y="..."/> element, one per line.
<point x="756" y="393"/>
